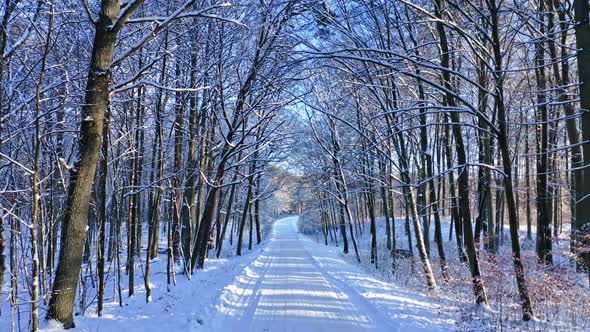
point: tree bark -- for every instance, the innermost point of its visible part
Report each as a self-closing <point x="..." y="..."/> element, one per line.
<point x="543" y="246"/>
<point x="100" y="260"/>
<point x="463" y="177"/>
<point x="525" y="300"/>
<point x="582" y="32"/>
<point x="188" y="201"/>
<point x="96" y="101"/>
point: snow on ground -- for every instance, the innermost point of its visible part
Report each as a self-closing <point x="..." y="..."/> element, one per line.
<point x="298" y="285"/>
<point x="187" y="307"/>
<point x="295" y="283"/>
<point x="558" y="293"/>
<point x="290" y="284"/>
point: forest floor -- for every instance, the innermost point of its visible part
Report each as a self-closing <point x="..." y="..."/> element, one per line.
<point x="290" y="284"/>
<point x="559" y="294"/>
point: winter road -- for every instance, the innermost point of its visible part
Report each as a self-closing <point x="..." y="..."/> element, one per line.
<point x="298" y="285"/>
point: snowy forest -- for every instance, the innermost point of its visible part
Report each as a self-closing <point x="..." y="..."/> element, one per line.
<point x="295" y="165"/>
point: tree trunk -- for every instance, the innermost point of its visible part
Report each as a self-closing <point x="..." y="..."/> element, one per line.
<point x="463" y="177"/>
<point x="100" y="260"/>
<point x="244" y="215"/>
<point x="257" y="210"/>
<point x="525" y="300"/>
<point x="2" y="255"/>
<point x="35" y="241"/>
<point x="177" y="179"/>
<point x="384" y="198"/>
<point x="96" y="101"/>
<point x="228" y="213"/>
<point x="582" y="31"/>
<point x="452" y="193"/>
<point x="430" y="281"/>
<point x="543" y="246"/>
<point x="529" y="233"/>
<point x="188" y="201"/>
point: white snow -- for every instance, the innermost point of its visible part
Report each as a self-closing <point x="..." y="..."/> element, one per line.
<point x="187" y="307"/>
<point x="298" y="285"/>
<point x="291" y="284"/>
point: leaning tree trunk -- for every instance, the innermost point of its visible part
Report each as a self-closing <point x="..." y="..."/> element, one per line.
<point x="412" y="210"/>
<point x="61" y="305"/>
<point x="200" y="248"/>
<point x="112" y="18"/>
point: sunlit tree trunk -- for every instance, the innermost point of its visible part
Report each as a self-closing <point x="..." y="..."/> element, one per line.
<point x="61" y="305"/>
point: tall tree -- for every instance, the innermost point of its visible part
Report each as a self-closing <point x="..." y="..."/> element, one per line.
<point x="582" y="32"/>
<point x="111" y="19"/>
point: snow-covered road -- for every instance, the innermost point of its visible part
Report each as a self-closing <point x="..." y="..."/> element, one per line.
<point x="298" y="285"/>
<point x="290" y="284"/>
